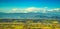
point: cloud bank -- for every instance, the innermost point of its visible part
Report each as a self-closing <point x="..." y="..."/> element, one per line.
<point x="33" y="10"/>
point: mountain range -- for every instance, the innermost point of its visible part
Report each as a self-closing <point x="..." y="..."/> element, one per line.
<point x="48" y="15"/>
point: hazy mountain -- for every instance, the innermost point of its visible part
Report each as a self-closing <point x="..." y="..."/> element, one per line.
<point x="30" y="15"/>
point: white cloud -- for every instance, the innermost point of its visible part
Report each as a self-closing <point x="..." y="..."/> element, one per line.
<point x="50" y="10"/>
<point x="14" y="10"/>
<point x="57" y="9"/>
<point x="45" y="7"/>
<point x="33" y="9"/>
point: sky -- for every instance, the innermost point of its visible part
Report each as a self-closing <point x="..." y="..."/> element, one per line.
<point x="24" y="6"/>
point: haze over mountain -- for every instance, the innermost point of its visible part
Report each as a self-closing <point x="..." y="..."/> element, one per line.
<point x="48" y="15"/>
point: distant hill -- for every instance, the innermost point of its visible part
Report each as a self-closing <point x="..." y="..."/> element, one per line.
<point x="30" y="15"/>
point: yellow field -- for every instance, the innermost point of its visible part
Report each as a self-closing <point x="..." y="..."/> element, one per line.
<point x="30" y="25"/>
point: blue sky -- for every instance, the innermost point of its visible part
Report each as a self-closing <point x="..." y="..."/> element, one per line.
<point x="6" y="5"/>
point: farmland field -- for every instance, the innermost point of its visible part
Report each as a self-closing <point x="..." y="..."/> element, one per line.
<point x="29" y="24"/>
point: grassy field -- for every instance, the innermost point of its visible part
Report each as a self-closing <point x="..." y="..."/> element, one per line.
<point x="29" y="24"/>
